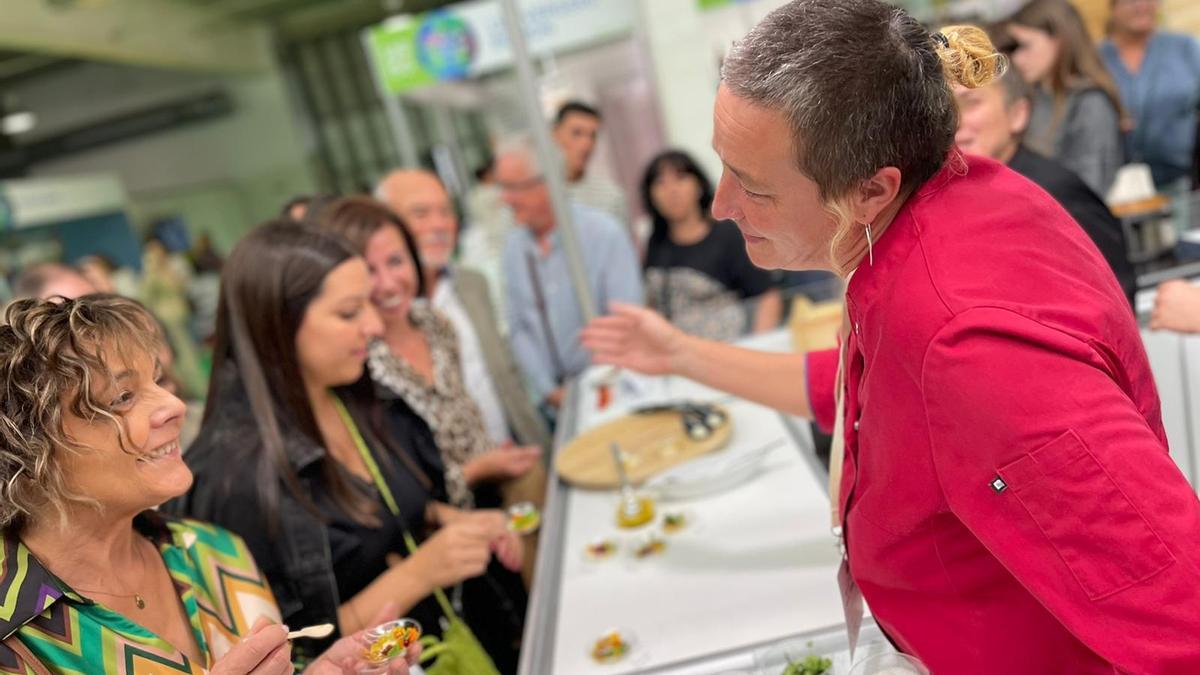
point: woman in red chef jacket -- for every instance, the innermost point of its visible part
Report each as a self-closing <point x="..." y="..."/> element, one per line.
<point x="1007" y="498"/>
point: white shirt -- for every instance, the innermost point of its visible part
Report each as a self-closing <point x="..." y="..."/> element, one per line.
<point x="475" y="372"/>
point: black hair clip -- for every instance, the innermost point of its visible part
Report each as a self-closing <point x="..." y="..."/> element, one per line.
<point x="941" y="39"/>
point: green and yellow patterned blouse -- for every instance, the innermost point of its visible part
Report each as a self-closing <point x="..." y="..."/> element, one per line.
<point x="218" y="583"/>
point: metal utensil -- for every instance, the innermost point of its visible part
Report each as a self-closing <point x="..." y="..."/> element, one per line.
<point x="629" y="501"/>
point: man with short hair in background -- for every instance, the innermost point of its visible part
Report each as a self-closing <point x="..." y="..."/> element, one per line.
<point x="576" y="131"/>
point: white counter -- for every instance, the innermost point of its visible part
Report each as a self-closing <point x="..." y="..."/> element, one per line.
<point x="758" y="566"/>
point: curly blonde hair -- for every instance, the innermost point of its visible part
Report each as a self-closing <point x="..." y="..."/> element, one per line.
<point x="52" y="357"/>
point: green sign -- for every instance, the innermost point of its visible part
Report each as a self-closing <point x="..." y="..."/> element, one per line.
<point x="713" y="4"/>
<point x="394" y="51"/>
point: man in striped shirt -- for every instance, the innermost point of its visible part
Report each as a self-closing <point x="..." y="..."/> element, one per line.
<point x="576" y="128"/>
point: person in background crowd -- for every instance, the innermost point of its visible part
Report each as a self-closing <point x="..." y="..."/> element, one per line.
<point x="98" y="270"/>
<point x="576" y="130"/>
<point x="698" y="275"/>
<point x="991" y="123"/>
<point x="48" y="280"/>
<point x="1158" y="74"/>
<point x="463" y="296"/>
<point x="489" y="222"/>
<point x="306" y="208"/>
<point x="94" y="579"/>
<point x="544" y="316"/>
<point x="419" y="361"/>
<point x="1000" y="478"/>
<point x="1076" y="113"/>
<point x="295" y="450"/>
<point x="204" y="255"/>
<point x="166" y="278"/>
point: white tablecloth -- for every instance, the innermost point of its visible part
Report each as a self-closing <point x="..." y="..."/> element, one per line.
<point x="758" y="565"/>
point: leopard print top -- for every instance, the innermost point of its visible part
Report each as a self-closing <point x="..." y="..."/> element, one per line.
<point x="444" y="404"/>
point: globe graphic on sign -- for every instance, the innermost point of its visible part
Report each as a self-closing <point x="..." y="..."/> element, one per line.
<point x="445" y="46"/>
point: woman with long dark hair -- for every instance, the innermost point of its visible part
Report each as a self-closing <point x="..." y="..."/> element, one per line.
<point x="294" y="451"/>
<point x="697" y="272"/>
<point x="1077" y="111"/>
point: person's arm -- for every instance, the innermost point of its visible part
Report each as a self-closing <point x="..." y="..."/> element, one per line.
<point x="1176" y="308"/>
<point x="641" y="340"/>
<point x="459" y="550"/>
<point x="1042" y="455"/>
<point x="400" y="584"/>
<point x="769" y="311"/>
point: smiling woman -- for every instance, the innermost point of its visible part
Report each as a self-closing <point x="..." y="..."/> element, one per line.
<point x="93" y="579"/>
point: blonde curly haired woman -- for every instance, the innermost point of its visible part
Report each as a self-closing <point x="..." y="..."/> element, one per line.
<point x="93" y="579"/>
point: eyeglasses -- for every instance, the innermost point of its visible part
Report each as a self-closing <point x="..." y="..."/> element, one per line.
<point x="521" y="186"/>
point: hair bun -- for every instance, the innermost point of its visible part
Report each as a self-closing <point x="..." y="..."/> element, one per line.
<point x="968" y="56"/>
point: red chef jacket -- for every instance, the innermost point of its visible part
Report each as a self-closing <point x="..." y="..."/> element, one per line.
<point x="1008" y="500"/>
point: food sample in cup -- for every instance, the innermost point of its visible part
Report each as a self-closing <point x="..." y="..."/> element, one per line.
<point x="674" y="521"/>
<point x="600" y="549"/>
<point x="524" y="518"/>
<point x="649" y="546"/>
<point x="610" y="648"/>
<point x="635" y="512"/>
<point x="390" y="640"/>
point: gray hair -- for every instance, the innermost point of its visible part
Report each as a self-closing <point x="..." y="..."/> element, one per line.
<point x="863" y="86"/>
<point x="520" y="145"/>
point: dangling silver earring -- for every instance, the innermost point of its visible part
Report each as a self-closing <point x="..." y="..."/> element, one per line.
<point x="870" y="247"/>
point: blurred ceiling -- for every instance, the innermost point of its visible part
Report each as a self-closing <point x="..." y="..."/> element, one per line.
<point x="203" y="35"/>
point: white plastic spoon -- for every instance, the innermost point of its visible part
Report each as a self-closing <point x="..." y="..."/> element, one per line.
<point x="317" y="632"/>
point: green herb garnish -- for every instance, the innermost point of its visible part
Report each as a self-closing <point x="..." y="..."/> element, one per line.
<point x="811" y="665"/>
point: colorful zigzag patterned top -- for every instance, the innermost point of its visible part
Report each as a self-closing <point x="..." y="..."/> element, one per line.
<point x="219" y="586"/>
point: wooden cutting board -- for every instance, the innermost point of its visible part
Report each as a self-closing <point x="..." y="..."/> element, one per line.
<point x="651" y="443"/>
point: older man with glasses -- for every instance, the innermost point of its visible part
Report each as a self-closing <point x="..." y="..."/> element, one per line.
<point x="544" y="317"/>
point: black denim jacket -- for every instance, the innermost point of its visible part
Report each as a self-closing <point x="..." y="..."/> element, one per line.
<point x="294" y="556"/>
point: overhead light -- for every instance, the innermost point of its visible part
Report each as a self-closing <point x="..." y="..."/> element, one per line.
<point x="14" y="124"/>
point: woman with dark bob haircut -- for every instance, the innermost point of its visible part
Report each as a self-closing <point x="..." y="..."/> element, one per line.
<point x="698" y="275"/>
<point x="999" y="474"/>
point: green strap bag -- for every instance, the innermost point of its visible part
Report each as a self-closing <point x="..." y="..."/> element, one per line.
<point x="458" y="652"/>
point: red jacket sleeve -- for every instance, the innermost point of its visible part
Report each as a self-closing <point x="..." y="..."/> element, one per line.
<point x="1043" y="455"/>
<point x="820" y="370"/>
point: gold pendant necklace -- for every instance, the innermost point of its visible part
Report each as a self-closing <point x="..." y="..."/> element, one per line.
<point x="137" y="597"/>
<point x="138" y="600"/>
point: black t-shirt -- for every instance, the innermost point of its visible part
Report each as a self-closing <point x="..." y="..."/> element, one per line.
<point x="700" y="286"/>
<point x="1085" y="206"/>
